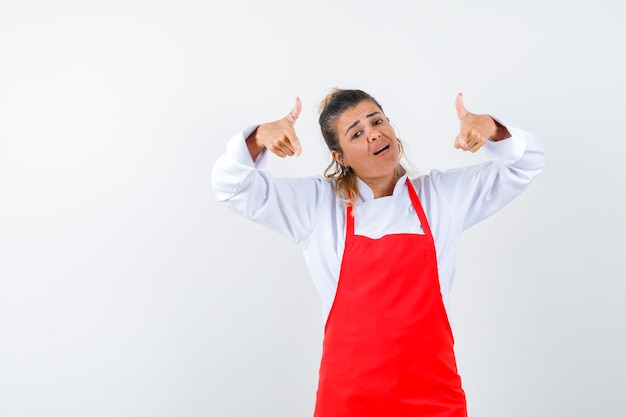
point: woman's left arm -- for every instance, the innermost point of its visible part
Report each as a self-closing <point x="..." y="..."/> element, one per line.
<point x="516" y="158"/>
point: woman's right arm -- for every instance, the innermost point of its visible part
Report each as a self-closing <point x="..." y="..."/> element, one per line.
<point x="288" y="206"/>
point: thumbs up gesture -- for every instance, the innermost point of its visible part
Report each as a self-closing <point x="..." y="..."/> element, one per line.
<point x="279" y="136"/>
<point x="476" y="129"/>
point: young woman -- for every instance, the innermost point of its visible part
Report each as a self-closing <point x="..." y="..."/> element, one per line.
<point x="380" y="246"/>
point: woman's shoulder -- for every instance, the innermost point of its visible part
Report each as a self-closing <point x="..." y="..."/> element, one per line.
<point x="306" y="188"/>
<point x="317" y="181"/>
<point x="436" y="177"/>
<point x="435" y="182"/>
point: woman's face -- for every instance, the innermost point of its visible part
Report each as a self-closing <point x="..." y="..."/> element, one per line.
<point x="368" y="141"/>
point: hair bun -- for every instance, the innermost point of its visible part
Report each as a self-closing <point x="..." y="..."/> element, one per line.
<point x="329" y="97"/>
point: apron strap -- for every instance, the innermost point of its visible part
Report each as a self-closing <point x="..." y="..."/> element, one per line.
<point x="418" y="208"/>
<point x="349" y="223"/>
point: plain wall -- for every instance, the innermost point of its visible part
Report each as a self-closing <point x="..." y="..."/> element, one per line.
<point x="127" y="290"/>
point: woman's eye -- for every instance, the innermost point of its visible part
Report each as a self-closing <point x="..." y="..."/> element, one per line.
<point x="357" y="134"/>
<point x="378" y="121"/>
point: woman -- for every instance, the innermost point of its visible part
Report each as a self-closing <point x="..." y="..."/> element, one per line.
<point x="380" y="247"/>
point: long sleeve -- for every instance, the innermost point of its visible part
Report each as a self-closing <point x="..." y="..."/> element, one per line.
<point x="288" y="206"/>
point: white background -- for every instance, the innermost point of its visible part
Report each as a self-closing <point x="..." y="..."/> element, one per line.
<point x="126" y="290"/>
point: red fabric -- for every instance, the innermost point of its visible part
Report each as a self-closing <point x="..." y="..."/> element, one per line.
<point x="388" y="347"/>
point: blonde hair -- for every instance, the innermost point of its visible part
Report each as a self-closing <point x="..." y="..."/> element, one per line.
<point x="331" y="107"/>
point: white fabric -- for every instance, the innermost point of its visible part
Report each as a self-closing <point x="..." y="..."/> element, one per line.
<point x="307" y="210"/>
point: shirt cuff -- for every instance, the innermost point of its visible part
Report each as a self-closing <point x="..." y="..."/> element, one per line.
<point x="237" y="149"/>
<point x="507" y="150"/>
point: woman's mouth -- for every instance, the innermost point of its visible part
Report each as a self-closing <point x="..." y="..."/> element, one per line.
<point x="381" y="149"/>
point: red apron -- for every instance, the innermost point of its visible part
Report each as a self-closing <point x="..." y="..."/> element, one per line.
<point x="388" y="346"/>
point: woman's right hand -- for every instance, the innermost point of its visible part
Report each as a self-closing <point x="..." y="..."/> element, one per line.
<point x="279" y="137"/>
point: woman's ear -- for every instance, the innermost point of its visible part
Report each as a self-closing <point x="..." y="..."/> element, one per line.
<point x="337" y="157"/>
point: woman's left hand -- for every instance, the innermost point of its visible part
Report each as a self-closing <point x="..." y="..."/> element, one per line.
<point x="476" y="129"/>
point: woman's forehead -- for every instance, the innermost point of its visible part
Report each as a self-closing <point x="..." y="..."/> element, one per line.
<point x="359" y="111"/>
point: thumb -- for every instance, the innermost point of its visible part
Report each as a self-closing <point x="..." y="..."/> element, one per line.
<point x="295" y="111"/>
<point x="460" y="107"/>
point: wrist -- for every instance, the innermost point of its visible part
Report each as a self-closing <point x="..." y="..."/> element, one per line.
<point x="500" y="132"/>
<point x="253" y="145"/>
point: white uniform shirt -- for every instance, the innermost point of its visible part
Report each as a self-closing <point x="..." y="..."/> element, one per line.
<point x="307" y="210"/>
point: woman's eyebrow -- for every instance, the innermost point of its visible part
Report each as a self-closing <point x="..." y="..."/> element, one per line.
<point x="351" y="126"/>
<point x="367" y="116"/>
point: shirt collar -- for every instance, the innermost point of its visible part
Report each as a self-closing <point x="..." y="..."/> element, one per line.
<point x="366" y="193"/>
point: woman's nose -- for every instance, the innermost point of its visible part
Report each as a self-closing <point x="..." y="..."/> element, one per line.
<point x="373" y="135"/>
